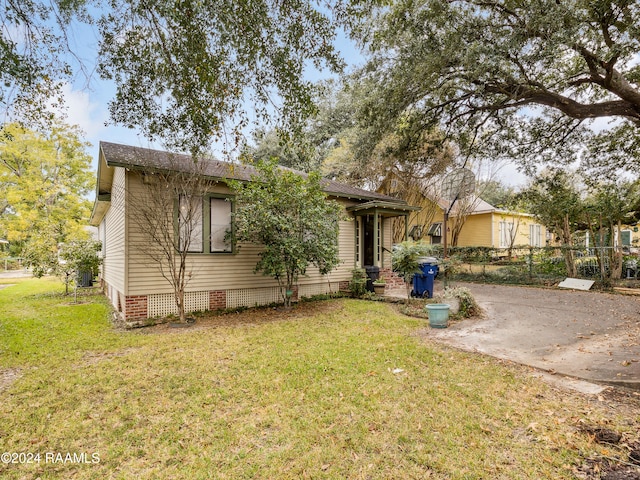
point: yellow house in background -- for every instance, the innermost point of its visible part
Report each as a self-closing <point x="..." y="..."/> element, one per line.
<point x="474" y="222"/>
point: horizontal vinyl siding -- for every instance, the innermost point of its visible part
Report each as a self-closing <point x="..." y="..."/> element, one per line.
<point x="223" y="271"/>
<point x="476" y="231"/>
<point x="113" y="268"/>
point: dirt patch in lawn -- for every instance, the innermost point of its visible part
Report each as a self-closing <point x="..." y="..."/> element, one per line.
<point x="8" y="376"/>
<point x="93" y="358"/>
<point x="618" y="455"/>
<point x="249" y="317"/>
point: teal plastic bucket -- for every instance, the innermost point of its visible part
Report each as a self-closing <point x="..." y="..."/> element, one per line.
<point x="438" y="315"/>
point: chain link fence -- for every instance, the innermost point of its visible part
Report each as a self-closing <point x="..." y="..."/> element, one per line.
<point x="542" y="265"/>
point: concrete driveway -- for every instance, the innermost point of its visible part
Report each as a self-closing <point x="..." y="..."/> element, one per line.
<point x="589" y="335"/>
<point x="15" y="274"/>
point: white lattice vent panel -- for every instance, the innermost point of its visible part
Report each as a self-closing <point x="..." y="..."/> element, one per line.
<point x="317" y="289"/>
<point x="196" y="301"/>
<point x="161" y="304"/>
<point x="249" y="297"/>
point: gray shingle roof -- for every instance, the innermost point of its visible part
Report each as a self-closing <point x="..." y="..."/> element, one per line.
<point x="138" y="158"/>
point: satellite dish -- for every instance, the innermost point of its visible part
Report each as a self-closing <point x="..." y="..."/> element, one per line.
<point x="458" y="184"/>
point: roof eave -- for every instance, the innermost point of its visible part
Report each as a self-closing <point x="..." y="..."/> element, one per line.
<point x="100" y="207"/>
<point x="384" y="207"/>
<point x="142" y="168"/>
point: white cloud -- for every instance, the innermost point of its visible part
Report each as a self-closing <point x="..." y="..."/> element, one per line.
<point x="84" y="112"/>
<point x="510" y="175"/>
<point x="88" y="110"/>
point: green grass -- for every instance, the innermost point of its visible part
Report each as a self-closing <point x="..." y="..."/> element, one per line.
<point x="337" y="389"/>
<point x="39" y="325"/>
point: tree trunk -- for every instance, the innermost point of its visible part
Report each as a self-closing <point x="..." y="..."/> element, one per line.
<point x="408" y="287"/>
<point x="616" y="257"/>
<point x="288" y="287"/>
<point x="567" y="251"/>
<point x="181" y="310"/>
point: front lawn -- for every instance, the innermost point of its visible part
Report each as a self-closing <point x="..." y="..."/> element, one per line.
<point x="337" y="389"/>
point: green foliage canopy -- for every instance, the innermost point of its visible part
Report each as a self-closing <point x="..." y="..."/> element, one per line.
<point x="555" y="200"/>
<point x="518" y="79"/>
<point x="185" y="69"/>
<point x="33" y="43"/>
<point x="42" y="183"/>
<point x="290" y="216"/>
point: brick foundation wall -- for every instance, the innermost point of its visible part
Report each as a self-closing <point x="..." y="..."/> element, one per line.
<point x="391" y="278"/>
<point x="343" y="286"/>
<point x="217" y="299"/>
<point x="135" y="307"/>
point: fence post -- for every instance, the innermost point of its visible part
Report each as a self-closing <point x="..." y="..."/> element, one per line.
<point x="530" y="262"/>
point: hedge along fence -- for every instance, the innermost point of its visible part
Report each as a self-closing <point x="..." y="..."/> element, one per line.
<point x="535" y="265"/>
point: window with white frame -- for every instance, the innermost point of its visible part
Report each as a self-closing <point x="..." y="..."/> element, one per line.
<point x="506" y="234"/>
<point x="190" y="223"/>
<point x="535" y="235"/>
<point x="201" y="220"/>
<point x="380" y="240"/>
<point x="358" y="229"/>
<point x="220" y="223"/>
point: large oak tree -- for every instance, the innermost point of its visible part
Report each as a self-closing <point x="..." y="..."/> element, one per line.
<point x="528" y="74"/>
<point x="188" y="73"/>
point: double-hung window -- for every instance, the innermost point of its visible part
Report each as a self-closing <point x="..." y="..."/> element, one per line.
<point x="205" y="224"/>
<point x="190" y="223"/>
<point x="507" y="234"/>
<point x="220" y="225"/>
<point x="535" y="235"/>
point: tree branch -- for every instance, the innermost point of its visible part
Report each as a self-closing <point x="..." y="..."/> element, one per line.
<point x="523" y="95"/>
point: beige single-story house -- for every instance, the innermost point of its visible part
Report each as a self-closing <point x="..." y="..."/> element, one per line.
<point x="219" y="277"/>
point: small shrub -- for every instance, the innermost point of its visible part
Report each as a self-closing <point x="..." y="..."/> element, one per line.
<point x="405" y="259"/>
<point x="451" y="265"/>
<point x="468" y="305"/>
<point x="358" y="283"/>
<point x="372" y="296"/>
<point x="547" y="263"/>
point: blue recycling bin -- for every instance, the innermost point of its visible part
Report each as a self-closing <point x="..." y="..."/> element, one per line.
<point x="423" y="282"/>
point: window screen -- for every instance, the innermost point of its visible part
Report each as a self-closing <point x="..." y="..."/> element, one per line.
<point x="190" y="223"/>
<point x="220" y="225"/>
